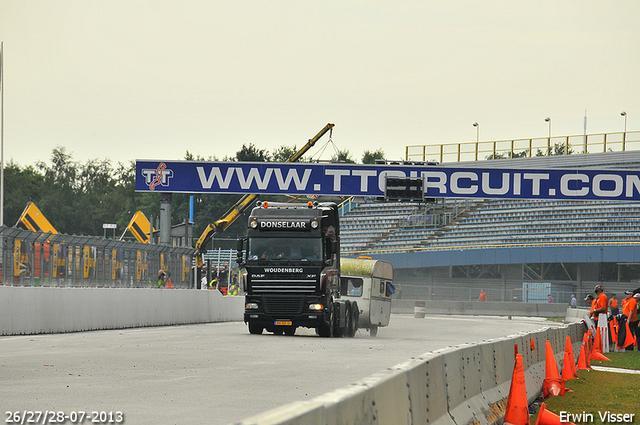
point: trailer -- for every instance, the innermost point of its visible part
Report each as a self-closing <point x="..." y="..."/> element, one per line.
<point x="369" y="283"/>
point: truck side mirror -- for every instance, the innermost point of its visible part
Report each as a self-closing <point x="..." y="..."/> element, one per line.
<point x="239" y="249"/>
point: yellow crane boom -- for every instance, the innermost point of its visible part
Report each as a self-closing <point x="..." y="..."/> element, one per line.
<point x="247" y="200"/>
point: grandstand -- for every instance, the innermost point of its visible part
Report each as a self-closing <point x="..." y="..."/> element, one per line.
<point x="378" y="228"/>
<point x="432" y="245"/>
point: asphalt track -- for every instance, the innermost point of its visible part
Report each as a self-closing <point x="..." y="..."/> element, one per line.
<point x="214" y="373"/>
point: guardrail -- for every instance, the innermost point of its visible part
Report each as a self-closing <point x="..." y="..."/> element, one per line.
<point x="524" y="148"/>
<point x="455" y="386"/>
<point x="44" y="259"/>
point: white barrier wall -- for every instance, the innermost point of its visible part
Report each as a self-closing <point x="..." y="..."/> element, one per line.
<point x="482" y="308"/>
<point x="29" y="310"/>
<point x="457" y="386"/>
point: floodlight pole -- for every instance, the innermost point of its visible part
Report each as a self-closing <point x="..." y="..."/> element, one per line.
<point x="1" y="136"/>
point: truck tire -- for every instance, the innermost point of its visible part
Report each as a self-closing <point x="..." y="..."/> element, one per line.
<point x="255" y="329"/>
<point x="355" y="317"/>
<point x="348" y="320"/>
<point x="326" y="329"/>
<point x="373" y="330"/>
<point x="337" y="330"/>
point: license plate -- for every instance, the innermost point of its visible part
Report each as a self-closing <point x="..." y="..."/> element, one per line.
<point x="284" y="323"/>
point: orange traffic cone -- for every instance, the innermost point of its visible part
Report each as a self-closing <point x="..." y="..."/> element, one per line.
<point x="582" y="358"/>
<point x="587" y="349"/>
<point x="596" y="354"/>
<point x="546" y="417"/>
<point x="569" y="364"/>
<point x="553" y="384"/>
<point x="597" y="341"/>
<point x="517" y="412"/>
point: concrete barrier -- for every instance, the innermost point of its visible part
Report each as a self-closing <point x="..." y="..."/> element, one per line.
<point x="482" y="308"/>
<point x="455" y="386"/>
<point x="574" y="315"/>
<point x="29" y="310"/>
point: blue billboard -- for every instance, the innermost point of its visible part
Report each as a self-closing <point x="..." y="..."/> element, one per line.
<point x="369" y="180"/>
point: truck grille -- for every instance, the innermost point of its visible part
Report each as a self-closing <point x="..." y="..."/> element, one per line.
<point x="283" y="305"/>
<point x="281" y="286"/>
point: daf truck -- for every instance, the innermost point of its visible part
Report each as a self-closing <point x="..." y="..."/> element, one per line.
<point x="291" y="257"/>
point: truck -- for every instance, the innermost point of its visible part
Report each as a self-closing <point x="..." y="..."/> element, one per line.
<point x="291" y="257"/>
<point x="369" y="283"/>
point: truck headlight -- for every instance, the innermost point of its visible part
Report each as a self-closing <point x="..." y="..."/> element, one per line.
<point x="316" y="306"/>
<point x="251" y="306"/>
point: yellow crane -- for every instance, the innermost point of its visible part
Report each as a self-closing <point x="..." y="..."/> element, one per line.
<point x="247" y="200"/>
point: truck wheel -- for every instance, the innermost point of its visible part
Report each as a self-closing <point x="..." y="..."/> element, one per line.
<point x="337" y="330"/>
<point x="255" y="329"/>
<point x="373" y="330"/>
<point x="290" y="330"/>
<point x="348" y="317"/>
<point x="355" y="317"/>
<point x="326" y="330"/>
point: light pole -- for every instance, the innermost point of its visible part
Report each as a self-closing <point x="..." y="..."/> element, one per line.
<point x="548" y="120"/>
<point x="477" y="126"/>
<point x="624" y="135"/>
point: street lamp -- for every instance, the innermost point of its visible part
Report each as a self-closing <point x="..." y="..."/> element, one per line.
<point x="549" y="121"/>
<point x="477" y="126"/>
<point x="624" y="114"/>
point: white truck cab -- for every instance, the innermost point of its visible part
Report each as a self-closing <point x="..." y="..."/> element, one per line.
<point x="370" y="283"/>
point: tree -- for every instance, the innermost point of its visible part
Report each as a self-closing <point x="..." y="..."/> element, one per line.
<point x="21" y="186"/>
<point x="252" y="154"/>
<point x="343" y="156"/>
<point x="557" y="149"/>
<point x="283" y="153"/>
<point x="369" y="157"/>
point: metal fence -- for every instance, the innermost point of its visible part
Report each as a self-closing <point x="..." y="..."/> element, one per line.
<point x="60" y="260"/>
<point x="520" y="148"/>
<point x="507" y="291"/>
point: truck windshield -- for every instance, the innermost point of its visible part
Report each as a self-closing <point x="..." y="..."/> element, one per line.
<point x="296" y="249"/>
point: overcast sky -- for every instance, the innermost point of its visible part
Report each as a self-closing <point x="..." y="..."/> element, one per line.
<point x="126" y="80"/>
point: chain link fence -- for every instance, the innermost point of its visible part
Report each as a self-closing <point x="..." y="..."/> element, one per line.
<point x="59" y="260"/>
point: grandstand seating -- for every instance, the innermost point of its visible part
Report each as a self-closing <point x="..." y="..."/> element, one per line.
<point x="386" y="227"/>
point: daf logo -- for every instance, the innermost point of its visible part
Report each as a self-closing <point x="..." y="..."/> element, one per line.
<point x="158" y="177"/>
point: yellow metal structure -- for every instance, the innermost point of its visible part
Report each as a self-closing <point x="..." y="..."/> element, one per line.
<point x="247" y="200"/>
<point x="140" y="227"/>
<point x="34" y="220"/>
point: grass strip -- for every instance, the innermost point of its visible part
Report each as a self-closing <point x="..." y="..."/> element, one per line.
<point x="596" y="392"/>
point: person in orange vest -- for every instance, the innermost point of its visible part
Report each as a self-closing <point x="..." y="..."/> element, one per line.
<point x="630" y="311"/>
<point x="602" y="303"/>
<point x="592" y="303"/>
<point x="613" y="305"/>
<point x="483" y="296"/>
